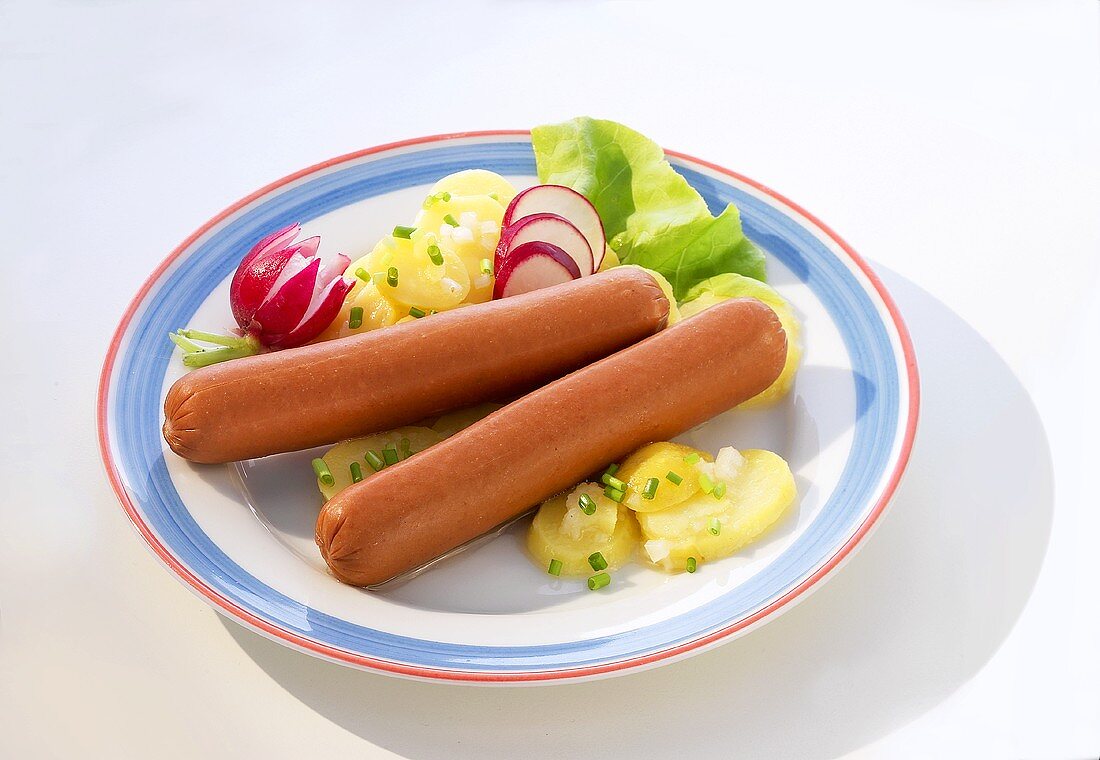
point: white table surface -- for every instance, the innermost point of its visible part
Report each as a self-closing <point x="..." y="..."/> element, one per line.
<point x="955" y="144"/>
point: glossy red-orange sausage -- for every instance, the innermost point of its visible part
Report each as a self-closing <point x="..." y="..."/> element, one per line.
<point x="549" y="440"/>
<point x="338" y="389"/>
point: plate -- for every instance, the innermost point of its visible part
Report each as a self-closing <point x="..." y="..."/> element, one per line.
<point x="241" y="536"/>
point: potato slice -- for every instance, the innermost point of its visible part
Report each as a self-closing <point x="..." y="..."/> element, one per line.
<point x="378" y="311"/>
<point x="562" y="531"/>
<point x="420" y="281"/>
<point x="762" y="491"/>
<point x="473" y="241"/>
<point x="726" y="286"/>
<point x="340" y="456"/>
<point x="476" y="182"/>
<point x="655" y="461"/>
<point x="452" y="422"/>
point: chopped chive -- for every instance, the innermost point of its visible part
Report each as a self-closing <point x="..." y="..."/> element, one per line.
<point x="416" y="312"/>
<point x="673" y="478"/>
<point x="495" y="197"/>
<point x="719" y="491"/>
<point x="597" y="561"/>
<point x="389" y="454"/>
<point x="587" y="504"/>
<point x="435" y="255"/>
<point x="598" y="581"/>
<point x="650" y="488"/>
<point x="362" y="274"/>
<point x="323" y="473"/>
<point x="692" y="458"/>
<point x="486" y="266"/>
<point x="435" y="198"/>
<point x="555" y="567"/>
<point x="614" y="494"/>
<point x="715" y="526"/>
<point x="403" y="232"/>
<point x="356" y="472"/>
<point x="406" y="448"/>
<point x="449" y="219"/>
<point x="376" y="463"/>
<point x="391" y="277"/>
<point x="612" y="469"/>
<point x="692" y="564"/>
<point x="613" y="482"/>
<point x="706" y="483"/>
<point x="355" y="317"/>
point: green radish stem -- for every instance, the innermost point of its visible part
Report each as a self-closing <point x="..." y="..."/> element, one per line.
<point x="229" y="347"/>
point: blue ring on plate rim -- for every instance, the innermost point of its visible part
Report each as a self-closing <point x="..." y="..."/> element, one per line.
<point x="135" y="418"/>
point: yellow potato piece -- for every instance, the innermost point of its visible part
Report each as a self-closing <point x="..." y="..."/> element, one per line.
<point x="762" y="491"/>
<point x="420" y="281"/>
<point x="655" y="461"/>
<point x="452" y="422"/>
<point x="378" y="311"/>
<point x="340" y="456"/>
<point x="476" y="182"/>
<point x="562" y="531"/>
<point x="726" y="286"/>
<point x="480" y="217"/>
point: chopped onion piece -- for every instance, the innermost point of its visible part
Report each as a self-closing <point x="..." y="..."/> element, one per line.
<point x="728" y="464"/>
<point x="658" y="549"/>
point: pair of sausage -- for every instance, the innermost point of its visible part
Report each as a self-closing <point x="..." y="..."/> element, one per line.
<point x="645" y="385"/>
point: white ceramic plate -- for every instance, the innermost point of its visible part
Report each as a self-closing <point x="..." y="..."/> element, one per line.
<point x="242" y="536"/>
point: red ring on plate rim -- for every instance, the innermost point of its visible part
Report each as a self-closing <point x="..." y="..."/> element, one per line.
<point x="227" y="607"/>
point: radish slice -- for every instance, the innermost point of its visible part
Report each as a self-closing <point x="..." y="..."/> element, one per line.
<point x="566" y="203"/>
<point x="333" y="269"/>
<point x="547" y="228"/>
<point x="259" y="268"/>
<point x="273" y="242"/>
<point x="309" y="246"/>
<point x="253" y="283"/>
<point x="531" y="266"/>
<point x="321" y="311"/>
<point x="284" y="308"/>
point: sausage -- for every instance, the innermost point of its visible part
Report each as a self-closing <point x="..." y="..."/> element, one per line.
<point x="326" y="392"/>
<point x="549" y="440"/>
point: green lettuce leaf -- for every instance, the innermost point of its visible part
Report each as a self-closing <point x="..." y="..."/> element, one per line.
<point x="652" y="217"/>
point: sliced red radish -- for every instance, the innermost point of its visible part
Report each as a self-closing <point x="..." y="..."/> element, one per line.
<point x="531" y="266"/>
<point x="547" y="228"/>
<point x="290" y="297"/>
<point x="321" y="311"/>
<point x="566" y="203"/>
<point x="253" y="282"/>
